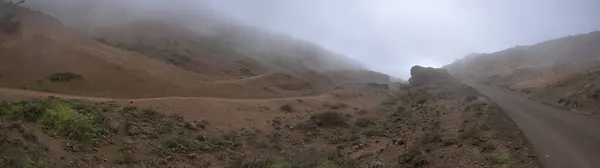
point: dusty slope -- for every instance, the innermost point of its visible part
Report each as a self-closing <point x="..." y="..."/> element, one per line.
<point x="223" y="46"/>
<point x="197" y="34"/>
<point x="424" y="125"/>
<point x="357" y="76"/>
<point x="179" y="46"/>
<point x="568" y="50"/>
<point x="111" y="72"/>
<point x="42" y="47"/>
<point x="561" y="72"/>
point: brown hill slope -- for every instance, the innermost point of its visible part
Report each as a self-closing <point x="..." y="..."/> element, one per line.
<point x="562" y="72"/>
<point x="223" y="45"/>
<point x="41" y="46"/>
<point x="567" y="50"/>
<point x="41" y="54"/>
<point x="181" y="47"/>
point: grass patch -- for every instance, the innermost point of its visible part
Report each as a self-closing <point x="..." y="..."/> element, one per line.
<point x="17" y="153"/>
<point x="341" y="135"/>
<point x="498" y="160"/>
<point x="72" y="120"/>
<point x="413" y="158"/>
<point x="304" y="158"/>
<point x="173" y="133"/>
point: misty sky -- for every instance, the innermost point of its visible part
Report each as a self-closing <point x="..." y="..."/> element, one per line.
<point x="392" y="35"/>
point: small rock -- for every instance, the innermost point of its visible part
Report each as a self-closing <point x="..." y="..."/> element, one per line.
<point x="192" y="155"/>
<point x="191" y="125"/>
<point x="377" y="164"/>
<point x="133" y="130"/>
<point x="114" y="126"/>
<point x="128" y="140"/>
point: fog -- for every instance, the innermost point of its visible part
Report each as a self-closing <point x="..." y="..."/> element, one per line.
<point x="385" y="35"/>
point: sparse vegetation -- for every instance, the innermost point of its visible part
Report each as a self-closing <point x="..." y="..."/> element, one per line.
<point x="365" y="122"/>
<point x="16" y="153"/>
<point x="347" y="137"/>
<point x="286" y="108"/>
<point x="73" y="122"/>
<point x="330" y="119"/>
<point x="498" y="160"/>
<point x="413" y="158"/>
<point x="64" y="77"/>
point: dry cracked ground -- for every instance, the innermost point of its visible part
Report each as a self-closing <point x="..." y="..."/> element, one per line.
<point x="433" y="122"/>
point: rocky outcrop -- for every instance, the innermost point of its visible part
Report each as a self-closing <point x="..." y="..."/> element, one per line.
<point x="427" y="75"/>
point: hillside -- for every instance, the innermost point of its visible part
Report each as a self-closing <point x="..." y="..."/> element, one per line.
<point x="196" y="34"/>
<point x="159" y="93"/>
<point x="244" y="49"/>
<point x="436" y="122"/>
<point x="68" y="62"/>
<point x="41" y="46"/>
<point x="181" y="47"/>
<point x="562" y="72"/>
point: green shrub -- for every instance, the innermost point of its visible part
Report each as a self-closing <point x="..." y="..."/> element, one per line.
<point x="498" y="160"/>
<point x="59" y="116"/>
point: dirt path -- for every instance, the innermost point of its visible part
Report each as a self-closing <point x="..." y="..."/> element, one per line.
<point x="16" y="94"/>
<point x="561" y="139"/>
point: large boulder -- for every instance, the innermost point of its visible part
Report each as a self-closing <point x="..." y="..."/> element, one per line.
<point x="426" y="75"/>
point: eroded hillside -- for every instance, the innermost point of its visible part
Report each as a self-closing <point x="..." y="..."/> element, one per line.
<point x="562" y="72"/>
<point x="66" y="61"/>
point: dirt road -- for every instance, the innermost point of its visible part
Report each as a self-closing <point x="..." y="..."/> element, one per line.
<point x="561" y="139"/>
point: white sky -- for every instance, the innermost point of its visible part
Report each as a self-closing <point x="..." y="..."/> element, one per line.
<point x="392" y="35"/>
